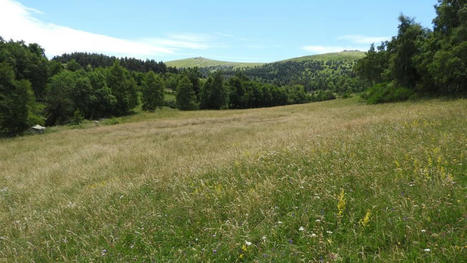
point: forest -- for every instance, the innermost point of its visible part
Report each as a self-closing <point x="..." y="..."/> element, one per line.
<point x="420" y="61"/>
<point x="69" y="88"/>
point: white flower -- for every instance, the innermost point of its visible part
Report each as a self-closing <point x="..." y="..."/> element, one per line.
<point x="301" y="228"/>
<point x="329" y="232"/>
<point x="313" y="235"/>
<point x="317" y="220"/>
<point x="279" y="222"/>
<point x="427" y="250"/>
<point x="247" y="243"/>
<point x="264" y="237"/>
<point x="423" y="230"/>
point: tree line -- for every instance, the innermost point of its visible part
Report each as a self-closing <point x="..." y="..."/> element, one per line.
<point x="83" y="60"/>
<point x="420" y="61"/>
<point x="34" y="90"/>
<point x="237" y="92"/>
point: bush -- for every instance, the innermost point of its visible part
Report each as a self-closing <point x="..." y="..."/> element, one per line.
<point x="111" y="121"/>
<point x="386" y="92"/>
<point x="77" y="118"/>
<point x="322" y="95"/>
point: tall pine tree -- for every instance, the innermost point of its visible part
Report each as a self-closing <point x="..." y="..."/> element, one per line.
<point x="153" y="92"/>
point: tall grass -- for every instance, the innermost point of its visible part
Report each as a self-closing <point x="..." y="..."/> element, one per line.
<point x="323" y="182"/>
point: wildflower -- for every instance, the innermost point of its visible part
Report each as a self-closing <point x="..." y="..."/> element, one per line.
<point x="264" y="237"/>
<point x="104" y="252"/>
<point x="317" y="220"/>
<point x="244" y="248"/>
<point x="313" y="235"/>
<point x="290" y="241"/>
<point x="427" y="250"/>
<point x="247" y="243"/>
<point x="366" y="219"/>
<point x="279" y="222"/>
<point x="329" y="232"/>
<point x="301" y="228"/>
<point x="341" y="203"/>
<point x="214" y="251"/>
<point x="241" y="256"/>
<point x="423" y="230"/>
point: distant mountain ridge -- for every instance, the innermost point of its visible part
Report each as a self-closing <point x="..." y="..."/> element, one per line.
<point x="201" y="62"/>
<point x="212" y="64"/>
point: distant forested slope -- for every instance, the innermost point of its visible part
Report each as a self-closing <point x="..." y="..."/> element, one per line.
<point x="332" y="71"/>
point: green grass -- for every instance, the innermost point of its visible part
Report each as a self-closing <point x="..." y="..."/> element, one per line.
<point x="345" y="55"/>
<point x="204" y="62"/>
<point x="328" y="181"/>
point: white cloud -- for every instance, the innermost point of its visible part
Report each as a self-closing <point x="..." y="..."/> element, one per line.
<point x="18" y="23"/>
<point x="328" y="49"/>
<point x="174" y="43"/>
<point x="360" y="39"/>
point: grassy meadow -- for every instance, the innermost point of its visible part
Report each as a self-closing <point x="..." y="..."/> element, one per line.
<point x="201" y="62"/>
<point x="321" y="182"/>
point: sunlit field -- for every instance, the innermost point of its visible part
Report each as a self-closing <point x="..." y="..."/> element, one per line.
<point x="320" y="182"/>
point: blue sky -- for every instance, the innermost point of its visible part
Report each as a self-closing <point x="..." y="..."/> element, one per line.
<point x="238" y="30"/>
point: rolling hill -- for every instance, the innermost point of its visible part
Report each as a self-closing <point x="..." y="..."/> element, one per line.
<point x="201" y="62"/>
<point x="344" y="55"/>
<point x="331" y="71"/>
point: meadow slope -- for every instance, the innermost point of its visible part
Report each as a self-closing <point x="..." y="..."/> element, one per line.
<point x="201" y="62"/>
<point x="325" y="182"/>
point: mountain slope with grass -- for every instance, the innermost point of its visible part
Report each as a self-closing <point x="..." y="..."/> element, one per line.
<point x="201" y="62"/>
<point x="332" y="72"/>
<point x="325" y="181"/>
<point x="344" y="55"/>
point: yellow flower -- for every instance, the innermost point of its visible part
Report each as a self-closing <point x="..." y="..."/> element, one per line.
<point x="366" y="218"/>
<point x="244" y="248"/>
<point x="341" y="203"/>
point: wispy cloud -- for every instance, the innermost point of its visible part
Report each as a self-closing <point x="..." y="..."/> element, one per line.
<point x="17" y="22"/>
<point x="328" y="49"/>
<point x="360" y="39"/>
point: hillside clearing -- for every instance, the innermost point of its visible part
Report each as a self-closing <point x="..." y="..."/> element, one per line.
<point x="201" y="62"/>
<point x="327" y="181"/>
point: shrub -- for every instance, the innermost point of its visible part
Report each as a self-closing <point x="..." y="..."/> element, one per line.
<point x="386" y="92"/>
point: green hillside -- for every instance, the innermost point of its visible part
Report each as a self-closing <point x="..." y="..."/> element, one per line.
<point x="344" y="55"/>
<point x="201" y="62"/>
<point x="332" y="71"/>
